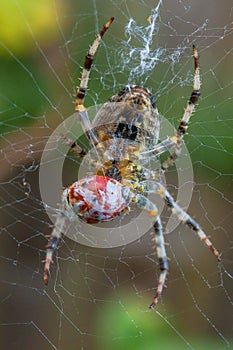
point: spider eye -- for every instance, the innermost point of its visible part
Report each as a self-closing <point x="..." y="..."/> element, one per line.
<point x="97" y="198"/>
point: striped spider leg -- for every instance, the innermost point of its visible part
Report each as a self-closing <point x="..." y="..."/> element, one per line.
<point x="86" y="126"/>
<point x="55" y="236"/>
<point x="182" y="128"/>
<point x="79" y="103"/>
<point x="145" y="204"/>
<point x="176" y="140"/>
<point x="150" y="186"/>
<point x="81" y="93"/>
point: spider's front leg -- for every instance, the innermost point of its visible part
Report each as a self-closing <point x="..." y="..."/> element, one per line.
<point x="144" y="203"/>
<point x="55" y="237"/>
<point x="182" y="129"/>
<point x="185" y="218"/>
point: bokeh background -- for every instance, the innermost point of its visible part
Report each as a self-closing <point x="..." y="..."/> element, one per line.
<point x="98" y="298"/>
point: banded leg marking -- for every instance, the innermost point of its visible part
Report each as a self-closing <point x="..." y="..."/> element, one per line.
<point x="186" y="219"/>
<point x="153" y="186"/>
<point x="182" y="128"/>
<point x="74" y="146"/>
<point x="79" y="102"/>
<point x="87" y="67"/>
<point x="52" y="245"/>
<point x="144" y="203"/>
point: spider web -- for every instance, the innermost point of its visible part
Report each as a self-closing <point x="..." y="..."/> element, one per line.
<point x="98" y="298"/>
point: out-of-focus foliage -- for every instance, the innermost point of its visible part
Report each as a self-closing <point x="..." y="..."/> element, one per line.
<point x="19" y="19"/>
<point x="137" y="329"/>
<point x="27" y="28"/>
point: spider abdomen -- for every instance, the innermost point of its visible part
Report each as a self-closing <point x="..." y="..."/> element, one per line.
<point x="131" y="114"/>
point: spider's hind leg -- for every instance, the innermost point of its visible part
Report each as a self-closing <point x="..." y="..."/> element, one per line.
<point x="183" y="126"/>
<point x="81" y="92"/>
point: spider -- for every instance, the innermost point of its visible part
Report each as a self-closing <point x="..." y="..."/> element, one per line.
<point x="124" y="131"/>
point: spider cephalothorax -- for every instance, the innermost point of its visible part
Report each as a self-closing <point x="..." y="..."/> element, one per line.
<point x="125" y="127"/>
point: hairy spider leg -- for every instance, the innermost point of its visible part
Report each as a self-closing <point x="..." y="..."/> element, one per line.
<point x="182" y="128"/>
<point x="79" y="103"/>
<point x="86" y="126"/>
<point x="99" y="149"/>
<point x="73" y="146"/>
<point x="160" y="148"/>
<point x="53" y="242"/>
<point x="155" y="187"/>
<point x="145" y="204"/>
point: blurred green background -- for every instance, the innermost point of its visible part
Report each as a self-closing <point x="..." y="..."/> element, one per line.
<point x="97" y="299"/>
